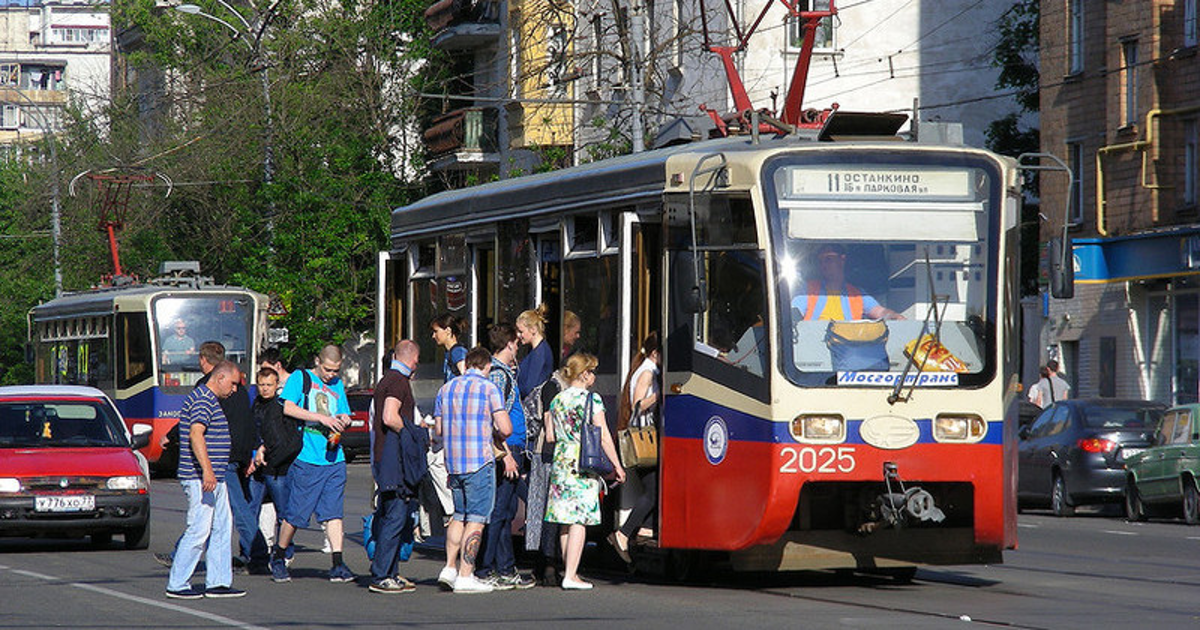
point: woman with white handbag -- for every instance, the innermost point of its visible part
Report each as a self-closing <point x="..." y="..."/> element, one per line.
<point x="638" y="427"/>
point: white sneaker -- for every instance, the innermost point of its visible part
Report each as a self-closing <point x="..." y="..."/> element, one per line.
<point x="471" y="584"/>
<point x="447" y="577"/>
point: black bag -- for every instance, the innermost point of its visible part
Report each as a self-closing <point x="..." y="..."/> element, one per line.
<point x="592" y="460"/>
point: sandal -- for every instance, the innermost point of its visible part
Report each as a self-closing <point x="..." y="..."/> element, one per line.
<point x="623" y="552"/>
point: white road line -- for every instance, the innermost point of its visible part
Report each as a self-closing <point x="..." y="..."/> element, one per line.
<point x="226" y="621"/>
<point x="1027" y="526"/>
<point x="1193" y="537"/>
<point x="1118" y="532"/>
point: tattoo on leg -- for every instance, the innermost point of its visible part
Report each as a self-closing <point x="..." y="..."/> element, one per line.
<point x="471" y="547"/>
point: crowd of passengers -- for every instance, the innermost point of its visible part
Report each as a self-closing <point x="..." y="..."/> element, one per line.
<point x="503" y="433"/>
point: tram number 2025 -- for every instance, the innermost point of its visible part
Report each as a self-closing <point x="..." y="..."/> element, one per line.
<point x="810" y="459"/>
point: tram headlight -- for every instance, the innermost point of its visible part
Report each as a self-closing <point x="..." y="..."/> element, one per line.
<point x="959" y="427"/>
<point x="819" y="428"/>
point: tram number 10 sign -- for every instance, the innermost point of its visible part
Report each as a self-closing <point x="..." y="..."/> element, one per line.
<point x="811" y="459"/>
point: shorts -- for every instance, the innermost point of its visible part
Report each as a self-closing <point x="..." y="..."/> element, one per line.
<point x="474" y="494"/>
<point x="316" y="490"/>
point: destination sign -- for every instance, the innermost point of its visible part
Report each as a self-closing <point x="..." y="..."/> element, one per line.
<point x="879" y="183"/>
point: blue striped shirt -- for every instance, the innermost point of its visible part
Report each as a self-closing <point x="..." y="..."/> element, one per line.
<point x="203" y="406"/>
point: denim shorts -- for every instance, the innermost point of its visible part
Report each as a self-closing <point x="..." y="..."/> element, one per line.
<point x="315" y="490"/>
<point x="474" y="494"/>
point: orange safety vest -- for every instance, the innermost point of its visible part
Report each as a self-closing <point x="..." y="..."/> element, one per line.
<point x="817" y="297"/>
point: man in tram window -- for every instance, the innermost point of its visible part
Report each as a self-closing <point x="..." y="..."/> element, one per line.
<point x="179" y="346"/>
<point x="830" y="297"/>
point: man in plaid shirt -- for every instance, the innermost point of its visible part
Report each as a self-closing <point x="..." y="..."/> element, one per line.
<point x="468" y="411"/>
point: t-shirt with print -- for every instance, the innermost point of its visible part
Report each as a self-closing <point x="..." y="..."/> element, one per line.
<point x="327" y="399"/>
<point x="202" y="406"/>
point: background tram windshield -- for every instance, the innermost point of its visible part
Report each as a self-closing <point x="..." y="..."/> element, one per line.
<point x="182" y="324"/>
<point x="865" y="253"/>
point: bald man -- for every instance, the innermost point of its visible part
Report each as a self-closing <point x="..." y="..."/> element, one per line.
<point x="203" y="459"/>
<point x="398" y="464"/>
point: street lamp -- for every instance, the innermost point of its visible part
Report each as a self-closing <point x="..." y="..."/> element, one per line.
<point x="55" y="211"/>
<point x="254" y="43"/>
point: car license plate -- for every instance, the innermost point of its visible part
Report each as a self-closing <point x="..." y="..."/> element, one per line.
<point x="1126" y="453"/>
<point x="65" y="503"/>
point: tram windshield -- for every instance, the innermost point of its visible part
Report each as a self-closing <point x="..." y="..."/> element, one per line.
<point x="183" y="323"/>
<point x="885" y="269"/>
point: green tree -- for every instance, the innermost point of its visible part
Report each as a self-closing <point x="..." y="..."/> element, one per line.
<point x="1016" y="56"/>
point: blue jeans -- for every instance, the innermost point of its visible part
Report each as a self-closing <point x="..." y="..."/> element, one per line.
<point x="496" y="552"/>
<point x="208" y="521"/>
<point x="278" y="487"/>
<point x="393" y="525"/>
<point x="245" y="500"/>
<point x="474" y="494"/>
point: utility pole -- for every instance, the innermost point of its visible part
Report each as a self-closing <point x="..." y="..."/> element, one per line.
<point x="637" y="85"/>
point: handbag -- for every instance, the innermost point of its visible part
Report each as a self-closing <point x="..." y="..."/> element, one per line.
<point x="592" y="460"/>
<point x="639" y="442"/>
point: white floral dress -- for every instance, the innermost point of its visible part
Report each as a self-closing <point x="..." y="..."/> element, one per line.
<point x="574" y="499"/>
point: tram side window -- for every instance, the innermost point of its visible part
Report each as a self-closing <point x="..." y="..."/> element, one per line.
<point x="133" y="349"/>
<point x="590" y="309"/>
<point x="730" y="340"/>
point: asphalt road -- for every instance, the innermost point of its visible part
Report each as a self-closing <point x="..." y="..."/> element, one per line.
<point x="1091" y="571"/>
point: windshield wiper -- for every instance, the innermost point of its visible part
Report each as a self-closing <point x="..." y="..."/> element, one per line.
<point x="932" y="313"/>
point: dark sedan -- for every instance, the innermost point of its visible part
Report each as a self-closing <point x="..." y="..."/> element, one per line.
<point x="1074" y="452"/>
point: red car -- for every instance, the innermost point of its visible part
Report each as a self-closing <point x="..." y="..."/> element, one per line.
<point x="68" y="467"/>
<point x="356" y="440"/>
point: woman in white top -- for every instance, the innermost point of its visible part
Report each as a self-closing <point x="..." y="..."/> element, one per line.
<point x="640" y="402"/>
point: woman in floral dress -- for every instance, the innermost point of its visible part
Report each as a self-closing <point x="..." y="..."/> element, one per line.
<point x="574" y="501"/>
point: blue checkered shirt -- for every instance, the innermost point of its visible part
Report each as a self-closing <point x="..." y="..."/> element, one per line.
<point x="465" y="406"/>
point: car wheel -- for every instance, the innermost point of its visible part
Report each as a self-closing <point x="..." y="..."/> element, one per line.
<point x="138" y="537"/>
<point x="101" y="540"/>
<point x="1134" y="510"/>
<point x="1060" y="504"/>
<point x="1191" y="502"/>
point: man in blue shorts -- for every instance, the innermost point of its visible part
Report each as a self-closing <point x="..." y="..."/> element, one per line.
<point x="317" y="478"/>
<point x="468" y="412"/>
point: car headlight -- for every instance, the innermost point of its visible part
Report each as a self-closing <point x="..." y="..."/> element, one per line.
<point x="10" y="484"/>
<point x="819" y="428"/>
<point x="963" y="427"/>
<point x="130" y="482"/>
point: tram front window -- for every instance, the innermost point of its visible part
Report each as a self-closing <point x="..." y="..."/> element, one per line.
<point x="182" y="324"/>
<point x="873" y="284"/>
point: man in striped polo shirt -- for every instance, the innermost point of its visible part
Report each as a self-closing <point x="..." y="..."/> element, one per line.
<point x="203" y="459"/>
<point x="468" y="411"/>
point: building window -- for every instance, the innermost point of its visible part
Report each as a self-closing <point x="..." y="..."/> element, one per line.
<point x="10" y="73"/>
<point x="680" y="32"/>
<point x="515" y="79"/>
<point x="1075" y="35"/>
<point x="556" y="61"/>
<point x="40" y="77"/>
<point x="597" y="46"/>
<point x="1191" y="26"/>
<point x="10" y="117"/>
<point x="1129" y="85"/>
<point x="78" y="34"/>
<point x="1191" y="162"/>
<point x="1075" y="161"/>
<point x="823" y="40"/>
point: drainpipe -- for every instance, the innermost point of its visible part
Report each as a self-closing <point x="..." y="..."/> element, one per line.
<point x="1140" y="145"/>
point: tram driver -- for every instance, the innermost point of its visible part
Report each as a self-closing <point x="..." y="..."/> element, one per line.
<point x="830" y="297"/>
<point x="177" y="348"/>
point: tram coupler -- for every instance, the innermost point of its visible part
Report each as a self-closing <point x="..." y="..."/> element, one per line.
<point x="897" y="509"/>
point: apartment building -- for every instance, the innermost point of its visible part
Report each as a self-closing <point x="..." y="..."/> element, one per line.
<point x="1120" y="104"/>
<point x="52" y="52"/>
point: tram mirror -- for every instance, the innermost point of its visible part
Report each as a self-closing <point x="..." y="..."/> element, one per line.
<point x="1062" y="271"/>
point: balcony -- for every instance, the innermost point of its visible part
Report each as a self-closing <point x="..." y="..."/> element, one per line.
<point x="464" y="139"/>
<point x="464" y="24"/>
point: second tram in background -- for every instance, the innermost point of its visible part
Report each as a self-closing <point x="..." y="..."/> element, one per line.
<point x="871" y="431"/>
<point x="138" y="343"/>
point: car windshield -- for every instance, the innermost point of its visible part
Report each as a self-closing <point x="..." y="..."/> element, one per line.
<point x="1122" y="417"/>
<point x="885" y="269"/>
<point x="182" y="324"/>
<point x="50" y="424"/>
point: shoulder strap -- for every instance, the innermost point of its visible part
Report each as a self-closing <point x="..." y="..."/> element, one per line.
<point x="307" y="387"/>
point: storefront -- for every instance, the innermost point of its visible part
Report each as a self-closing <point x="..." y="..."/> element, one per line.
<point x="1133" y="328"/>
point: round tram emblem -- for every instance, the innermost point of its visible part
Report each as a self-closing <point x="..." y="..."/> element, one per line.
<point x="716" y="440"/>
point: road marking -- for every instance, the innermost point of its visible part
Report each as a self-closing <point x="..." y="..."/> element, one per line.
<point x="1027" y="525"/>
<point x="1193" y="537"/>
<point x="1118" y="532"/>
<point x="226" y="621"/>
